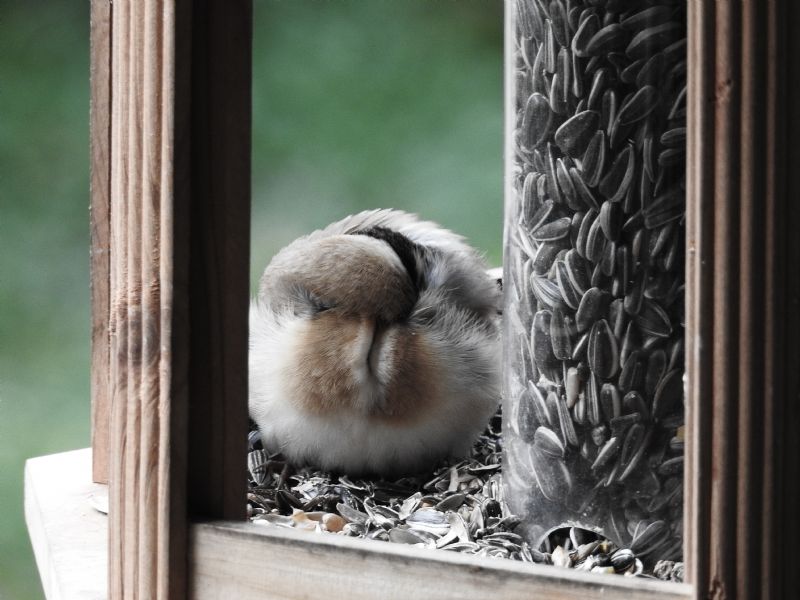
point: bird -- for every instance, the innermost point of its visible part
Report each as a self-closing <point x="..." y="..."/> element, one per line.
<point x="374" y="346"/>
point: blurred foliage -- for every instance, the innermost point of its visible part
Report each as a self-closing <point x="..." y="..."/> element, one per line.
<point x="369" y="103"/>
<point x="356" y="104"/>
<point x="44" y="281"/>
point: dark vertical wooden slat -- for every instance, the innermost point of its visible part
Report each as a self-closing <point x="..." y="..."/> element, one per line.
<point x="774" y="144"/>
<point x="100" y="231"/>
<point x="175" y="297"/>
<point x="752" y="291"/>
<point x="219" y="265"/>
<point x="744" y="261"/>
<point x="784" y="399"/>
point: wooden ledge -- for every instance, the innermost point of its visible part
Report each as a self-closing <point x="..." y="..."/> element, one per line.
<point x="242" y="560"/>
<point x="68" y="535"/>
<point x="232" y="559"/>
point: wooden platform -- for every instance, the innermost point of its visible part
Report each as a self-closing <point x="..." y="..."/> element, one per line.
<point x="68" y="535"/>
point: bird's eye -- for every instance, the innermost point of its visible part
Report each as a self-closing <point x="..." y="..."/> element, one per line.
<point x="321" y="307"/>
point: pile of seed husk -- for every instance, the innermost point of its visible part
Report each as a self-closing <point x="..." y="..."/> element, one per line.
<point x="458" y="507"/>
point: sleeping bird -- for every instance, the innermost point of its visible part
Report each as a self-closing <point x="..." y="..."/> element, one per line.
<point x="374" y="346"/>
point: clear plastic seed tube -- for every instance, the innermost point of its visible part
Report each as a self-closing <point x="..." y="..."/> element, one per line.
<point x="594" y="270"/>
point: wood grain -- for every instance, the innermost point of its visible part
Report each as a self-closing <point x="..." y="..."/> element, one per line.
<point x="742" y="294"/>
<point x="100" y="231"/>
<point x="178" y="163"/>
<point x="237" y="560"/>
<point x="68" y="535"/>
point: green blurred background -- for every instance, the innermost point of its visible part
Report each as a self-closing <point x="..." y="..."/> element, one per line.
<point x="356" y="104"/>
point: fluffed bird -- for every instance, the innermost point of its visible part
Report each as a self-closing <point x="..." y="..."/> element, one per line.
<point x="374" y="346"/>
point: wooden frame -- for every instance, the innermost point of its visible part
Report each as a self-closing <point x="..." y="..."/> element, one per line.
<point x="742" y="296"/>
<point x="170" y="237"/>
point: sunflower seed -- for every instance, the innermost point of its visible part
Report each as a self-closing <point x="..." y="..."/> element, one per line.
<point x="577" y="81"/>
<point x="578" y="271"/>
<point x="609" y="38"/>
<point x="593" y="401"/>
<point x="649" y="17"/>
<point x="607" y="452"/>
<point x="560" y="26"/>
<point x="608" y="259"/>
<point x="632" y="374"/>
<point x="258" y="465"/>
<point x="552" y="231"/>
<point x="579" y="350"/>
<point x="557" y="94"/>
<point x="620" y="176"/>
<point x="602" y="353"/>
<point x="669" y="157"/>
<point x="616" y="317"/>
<point x="638" y="106"/>
<point x="544" y="257"/>
<point x="575" y="133"/>
<point x="548" y="442"/>
<point x="550" y="47"/>
<point x="608" y="112"/>
<point x="628" y="74"/>
<point x="634" y="439"/>
<point x="583" y="232"/>
<point x="564" y="419"/>
<point x="546" y="292"/>
<point x="620" y="424"/>
<point x="593" y="306"/>
<point x="598" y="87"/>
<point x="570" y="194"/>
<point x="561" y="336"/>
<point x="656" y="368"/>
<point x="610" y="219"/>
<point x="541" y="345"/>
<point x="635" y="296"/>
<point x="586" y="31"/>
<point x="668" y="394"/>
<point x="653" y="320"/>
<point x="595" y="242"/>
<point x="537" y="120"/>
<point x="594" y="159"/>
<point x="649" y="41"/>
<point x="583" y="190"/>
<point x="649" y="538"/>
<point x="630" y="341"/>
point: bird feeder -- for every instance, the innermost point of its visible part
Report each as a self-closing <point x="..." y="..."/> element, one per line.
<point x="594" y="270"/>
<point x="170" y="228"/>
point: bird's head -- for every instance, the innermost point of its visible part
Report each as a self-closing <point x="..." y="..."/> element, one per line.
<point x="351" y="296"/>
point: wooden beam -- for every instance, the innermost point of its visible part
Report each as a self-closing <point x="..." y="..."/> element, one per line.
<point x="100" y="226"/>
<point x="238" y="560"/>
<point x="179" y="164"/>
<point x="219" y="267"/>
<point x="743" y="289"/>
<point x="68" y="536"/>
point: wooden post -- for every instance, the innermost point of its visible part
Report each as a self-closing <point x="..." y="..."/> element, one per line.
<point x="742" y="299"/>
<point x="100" y="139"/>
<point x="178" y="160"/>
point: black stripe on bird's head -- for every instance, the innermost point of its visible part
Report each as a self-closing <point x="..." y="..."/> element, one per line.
<point x="409" y="253"/>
